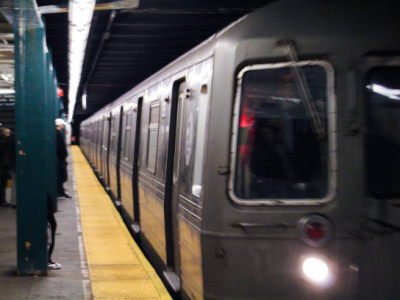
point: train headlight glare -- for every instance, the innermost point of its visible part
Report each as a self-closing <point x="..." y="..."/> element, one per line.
<point x="316" y="270"/>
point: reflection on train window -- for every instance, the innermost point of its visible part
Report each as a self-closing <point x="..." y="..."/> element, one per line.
<point x="113" y="139"/>
<point x="100" y="135"/>
<point x="153" y="137"/>
<point x="383" y="138"/>
<point x="105" y="134"/>
<point x="128" y="133"/>
<point x="280" y="153"/>
<point x="200" y="140"/>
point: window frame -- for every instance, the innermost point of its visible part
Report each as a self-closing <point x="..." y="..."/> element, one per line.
<point x="365" y="65"/>
<point x="150" y="128"/>
<point x="127" y="146"/>
<point x="113" y="136"/>
<point x="201" y="135"/>
<point x="331" y="136"/>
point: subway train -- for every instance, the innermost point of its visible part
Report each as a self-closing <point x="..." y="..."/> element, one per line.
<point x="263" y="164"/>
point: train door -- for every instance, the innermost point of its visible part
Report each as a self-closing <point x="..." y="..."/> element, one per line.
<point x="99" y="146"/>
<point x="105" y="150"/>
<point x="380" y="264"/>
<point x="136" y="120"/>
<point x="119" y="142"/>
<point x="115" y="149"/>
<point x="172" y="183"/>
<point x="95" y="143"/>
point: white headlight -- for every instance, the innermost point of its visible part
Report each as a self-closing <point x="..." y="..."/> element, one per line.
<point x="316" y="270"/>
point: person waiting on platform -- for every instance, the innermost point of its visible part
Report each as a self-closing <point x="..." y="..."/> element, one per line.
<point x="10" y="162"/>
<point x="51" y="264"/>
<point x="62" y="154"/>
<point x="4" y="169"/>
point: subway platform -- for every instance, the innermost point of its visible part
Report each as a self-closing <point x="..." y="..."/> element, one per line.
<point x="99" y="258"/>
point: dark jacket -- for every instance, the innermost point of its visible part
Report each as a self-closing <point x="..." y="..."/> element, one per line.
<point x="3" y="156"/>
<point x="10" y="159"/>
<point x="61" y="147"/>
<point x="62" y="173"/>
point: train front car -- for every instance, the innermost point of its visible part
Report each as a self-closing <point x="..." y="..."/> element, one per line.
<point x="301" y="173"/>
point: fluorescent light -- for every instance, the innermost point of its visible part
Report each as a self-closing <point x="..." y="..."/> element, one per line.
<point x="80" y="15"/>
<point x="5" y="77"/>
<point x="7" y="91"/>
<point x="84" y="97"/>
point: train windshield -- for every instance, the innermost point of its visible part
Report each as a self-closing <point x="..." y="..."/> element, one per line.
<point x="279" y="153"/>
<point x="383" y="137"/>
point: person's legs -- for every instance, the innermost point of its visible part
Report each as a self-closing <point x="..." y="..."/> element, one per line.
<point x="3" y="185"/>
<point x="53" y="225"/>
<point x="65" y="179"/>
<point x="60" y="188"/>
<point x="60" y="178"/>
<point x="14" y="190"/>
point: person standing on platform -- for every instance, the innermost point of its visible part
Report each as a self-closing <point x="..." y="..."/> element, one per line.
<point x="4" y="133"/>
<point x="62" y="154"/>
<point x="10" y="161"/>
<point x="51" y="264"/>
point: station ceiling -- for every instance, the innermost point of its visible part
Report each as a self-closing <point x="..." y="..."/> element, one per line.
<point x="6" y="54"/>
<point x="128" y="45"/>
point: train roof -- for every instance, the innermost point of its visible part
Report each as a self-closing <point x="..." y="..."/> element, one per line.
<point x="335" y="23"/>
<point x="195" y="55"/>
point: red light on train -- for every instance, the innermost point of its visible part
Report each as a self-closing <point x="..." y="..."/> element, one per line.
<point x="60" y="92"/>
<point x="315" y="230"/>
<point x="246" y="119"/>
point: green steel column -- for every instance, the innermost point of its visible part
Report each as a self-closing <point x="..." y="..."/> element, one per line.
<point x="31" y="121"/>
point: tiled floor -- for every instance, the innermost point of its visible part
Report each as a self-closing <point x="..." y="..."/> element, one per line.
<point x="71" y="282"/>
<point x="118" y="268"/>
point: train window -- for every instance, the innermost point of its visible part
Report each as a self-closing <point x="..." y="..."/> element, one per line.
<point x="200" y="140"/>
<point x="282" y="152"/>
<point x="153" y="137"/>
<point x="383" y="135"/>
<point x="128" y="135"/>
<point x="113" y="139"/>
<point x="105" y="134"/>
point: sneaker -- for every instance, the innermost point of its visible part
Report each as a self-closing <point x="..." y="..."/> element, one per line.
<point x="53" y="265"/>
<point x="66" y="196"/>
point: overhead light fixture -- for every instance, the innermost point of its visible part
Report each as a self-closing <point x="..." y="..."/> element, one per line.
<point x="84" y="97"/>
<point x="6" y="91"/>
<point x="80" y="15"/>
<point x="4" y="77"/>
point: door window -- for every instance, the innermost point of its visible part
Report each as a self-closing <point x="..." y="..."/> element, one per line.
<point x="153" y="137"/>
<point x="383" y="137"/>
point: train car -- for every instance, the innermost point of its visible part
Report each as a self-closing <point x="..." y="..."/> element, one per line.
<point x="263" y="163"/>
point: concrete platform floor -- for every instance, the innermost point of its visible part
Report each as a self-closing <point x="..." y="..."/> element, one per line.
<point x="71" y="281"/>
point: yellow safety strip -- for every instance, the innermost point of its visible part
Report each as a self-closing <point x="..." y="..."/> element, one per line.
<point x="118" y="268"/>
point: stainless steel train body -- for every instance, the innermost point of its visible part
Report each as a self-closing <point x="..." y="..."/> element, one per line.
<point x="263" y="163"/>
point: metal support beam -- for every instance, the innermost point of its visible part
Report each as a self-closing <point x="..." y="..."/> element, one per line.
<point x="115" y="4"/>
<point x="34" y="140"/>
